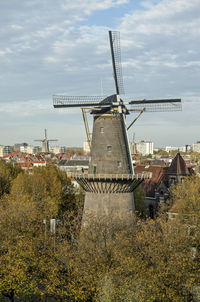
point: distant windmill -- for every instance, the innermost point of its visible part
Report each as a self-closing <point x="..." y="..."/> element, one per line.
<point x="45" y="142"/>
<point x="133" y="145"/>
<point x="110" y="181"/>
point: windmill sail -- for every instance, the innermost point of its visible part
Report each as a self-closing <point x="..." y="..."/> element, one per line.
<point x="151" y="105"/>
<point x="114" y="37"/>
<point x="61" y="101"/>
<point x="158" y="105"/>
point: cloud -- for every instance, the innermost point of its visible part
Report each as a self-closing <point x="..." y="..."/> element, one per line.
<point x="87" y="7"/>
<point x="26" y="108"/>
<point x="16" y="27"/>
<point x="5" y="51"/>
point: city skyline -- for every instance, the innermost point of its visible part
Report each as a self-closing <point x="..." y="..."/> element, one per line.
<point x="166" y="147"/>
<point x="63" y="47"/>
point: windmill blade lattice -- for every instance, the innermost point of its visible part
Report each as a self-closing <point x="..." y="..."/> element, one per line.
<point x="160" y="105"/>
<point x="114" y="37"/>
<point x="61" y="101"/>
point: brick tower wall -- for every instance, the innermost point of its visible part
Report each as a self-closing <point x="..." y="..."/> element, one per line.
<point x="110" y="149"/>
<point x="109" y="155"/>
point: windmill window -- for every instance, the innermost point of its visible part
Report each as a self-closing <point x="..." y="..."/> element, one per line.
<point x="119" y="164"/>
<point x="173" y="180"/>
<point x="102" y="130"/>
<point x="109" y="148"/>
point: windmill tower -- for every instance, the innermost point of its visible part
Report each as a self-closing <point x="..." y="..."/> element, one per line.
<point x="45" y="142"/>
<point x="110" y="181"/>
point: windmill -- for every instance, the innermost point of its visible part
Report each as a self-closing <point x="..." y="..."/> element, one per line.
<point x="45" y="142"/>
<point x="110" y="181"/>
<point x="133" y="145"/>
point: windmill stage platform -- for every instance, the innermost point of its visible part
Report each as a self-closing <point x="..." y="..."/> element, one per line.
<point x="109" y="183"/>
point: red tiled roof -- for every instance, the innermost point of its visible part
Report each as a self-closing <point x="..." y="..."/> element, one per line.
<point x="136" y="157"/>
<point x="12" y="154"/>
<point x="41" y="162"/>
<point x="158" y="175"/>
<point x="25" y="165"/>
<point x="18" y="154"/>
<point x="64" y="155"/>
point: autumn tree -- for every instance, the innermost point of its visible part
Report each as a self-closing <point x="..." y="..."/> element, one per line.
<point x="151" y="261"/>
<point x="27" y="258"/>
<point x="161" y="152"/>
<point x="139" y="199"/>
<point x="195" y="156"/>
<point x="186" y="204"/>
<point x="49" y="188"/>
<point x="107" y="260"/>
<point x="8" y="172"/>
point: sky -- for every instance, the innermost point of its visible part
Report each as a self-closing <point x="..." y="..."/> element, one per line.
<point x="50" y="47"/>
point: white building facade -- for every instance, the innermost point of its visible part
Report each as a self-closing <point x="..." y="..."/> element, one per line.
<point x="145" y="147"/>
<point x="196" y="147"/>
<point x="86" y="147"/>
<point x="170" y="148"/>
<point x="55" y="149"/>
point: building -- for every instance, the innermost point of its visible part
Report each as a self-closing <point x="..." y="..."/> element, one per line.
<point x="7" y="150"/>
<point x="86" y="147"/>
<point x="63" y="149"/>
<point x="55" y="149"/>
<point x="157" y="188"/>
<point x="76" y="166"/>
<point x="25" y="160"/>
<point x="40" y="163"/>
<point x="23" y="149"/>
<point x="185" y="148"/>
<point x="18" y="146"/>
<point x="133" y="148"/>
<point x="145" y="147"/>
<point x="36" y="149"/>
<point x="177" y="170"/>
<point x="80" y="157"/>
<point x="1" y="151"/>
<point x="196" y="147"/>
<point x="170" y="148"/>
<point x="30" y="149"/>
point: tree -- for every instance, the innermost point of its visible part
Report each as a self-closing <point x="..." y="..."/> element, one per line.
<point x="139" y="198"/>
<point x="161" y="152"/>
<point x="108" y="260"/>
<point x="27" y="257"/>
<point x="8" y="172"/>
<point x="195" y="156"/>
<point x="186" y="203"/>
<point x="49" y="188"/>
